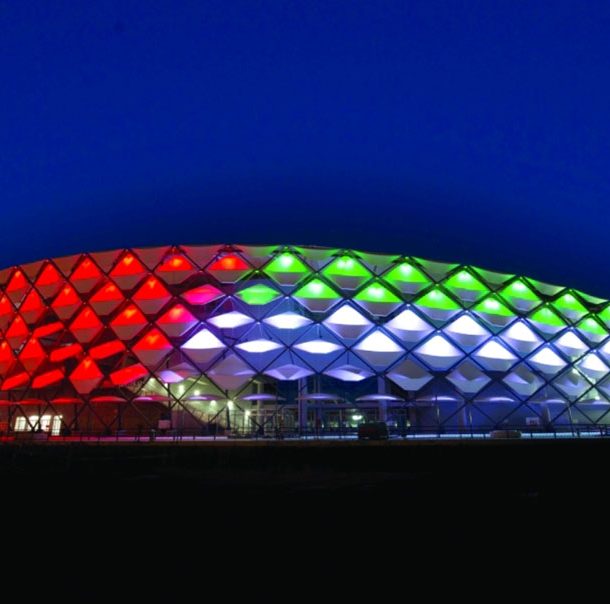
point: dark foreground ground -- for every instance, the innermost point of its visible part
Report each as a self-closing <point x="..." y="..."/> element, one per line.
<point x="264" y="504"/>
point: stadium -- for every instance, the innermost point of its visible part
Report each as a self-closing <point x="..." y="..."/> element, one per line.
<point x="294" y="341"/>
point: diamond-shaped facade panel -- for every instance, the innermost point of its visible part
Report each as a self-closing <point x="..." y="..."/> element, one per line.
<point x="409" y="327"/>
<point x="438" y="353"/>
<point x="348" y="323"/>
<point x="129" y="337"/>
<point x="468" y="378"/>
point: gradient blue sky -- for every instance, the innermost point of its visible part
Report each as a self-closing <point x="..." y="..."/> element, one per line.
<point x="463" y="131"/>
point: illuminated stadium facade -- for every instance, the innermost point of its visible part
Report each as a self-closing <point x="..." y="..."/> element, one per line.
<point x="295" y="340"/>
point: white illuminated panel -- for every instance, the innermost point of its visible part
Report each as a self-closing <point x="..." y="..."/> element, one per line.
<point x="605" y="351"/>
<point x="547" y="361"/>
<point x="570" y="344"/>
<point x="521" y="337"/>
<point x="287" y="320"/>
<point x="203" y="340"/>
<point x="495" y="357"/>
<point x="349" y="373"/>
<point x="438" y="353"/>
<point x="409" y="327"/>
<point x="230" y="320"/>
<point x="467" y="332"/>
<point x="318" y="347"/>
<point x="347" y="322"/>
<point x="203" y="346"/>
<point x="258" y="346"/>
<point x="288" y="372"/>
<point x="378" y="342"/>
<point x="379" y="349"/>
<point x="593" y="367"/>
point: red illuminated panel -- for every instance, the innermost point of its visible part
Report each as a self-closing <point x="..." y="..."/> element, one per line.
<point x="49" y="378"/>
<point x="86" y="376"/>
<point x="65" y="352"/>
<point x="229" y="262"/>
<point x="176" y="321"/>
<point x="122" y="377"/>
<point x="106" y="299"/>
<point x="228" y="268"/>
<point x="49" y="281"/>
<point x="32" y="307"/>
<point x="152" y="348"/>
<point x="17" y="286"/>
<point x="15" y="381"/>
<point x="128" y="323"/>
<point x="17" y="333"/>
<point x="86" y="325"/>
<point x="202" y="295"/>
<point x="85" y="276"/>
<point x="152" y="296"/>
<point x="128" y="272"/>
<point x="103" y="351"/>
<point x="7" y="358"/>
<point x="66" y="303"/>
<point x="66" y="400"/>
<point x="47" y="330"/>
<point x="7" y="312"/>
<point x="32" y="356"/>
<point x="175" y="269"/>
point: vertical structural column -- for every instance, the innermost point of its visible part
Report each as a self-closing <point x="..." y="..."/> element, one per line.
<point x="382" y="406"/>
<point x="302" y="404"/>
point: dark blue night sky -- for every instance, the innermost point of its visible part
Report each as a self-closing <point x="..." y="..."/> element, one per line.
<point x="463" y="131"/>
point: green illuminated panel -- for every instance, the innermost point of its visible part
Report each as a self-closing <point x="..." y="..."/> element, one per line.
<point x="590" y="299"/>
<point x="546" y="316"/>
<point x="406" y="273"/>
<point x="346" y="267"/>
<point x="258" y="295"/>
<point x="492" y="277"/>
<point x="493" y="306"/>
<point x="286" y="263"/>
<point x="545" y="288"/>
<point x="437" y="299"/>
<point x="518" y="290"/>
<point x="604" y="315"/>
<point x="590" y="325"/>
<point x="377" y="293"/>
<point x="569" y="305"/>
<point x="465" y="280"/>
<point x="317" y="290"/>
